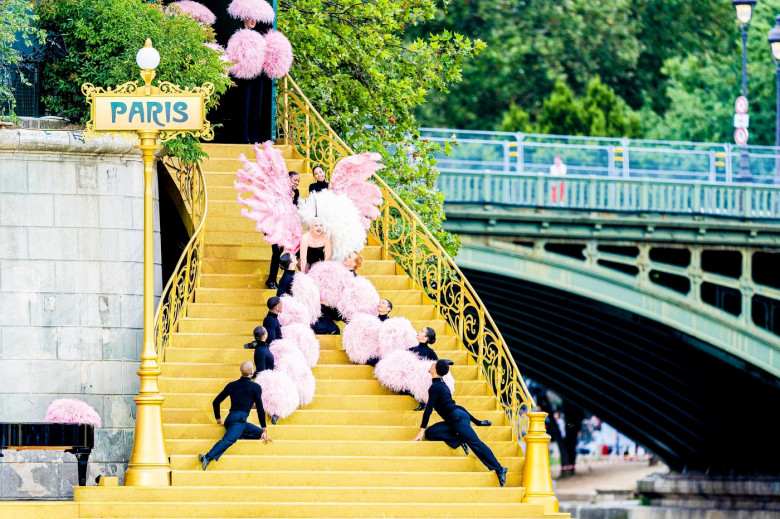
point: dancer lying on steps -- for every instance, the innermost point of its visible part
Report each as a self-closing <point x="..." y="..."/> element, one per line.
<point x="454" y="430"/>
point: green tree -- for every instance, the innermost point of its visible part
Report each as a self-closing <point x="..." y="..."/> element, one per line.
<point x="18" y="22"/>
<point x="102" y="39"/>
<point x="355" y="64"/>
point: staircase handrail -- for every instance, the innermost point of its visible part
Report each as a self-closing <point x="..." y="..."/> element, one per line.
<point x="180" y="288"/>
<point x="409" y="242"/>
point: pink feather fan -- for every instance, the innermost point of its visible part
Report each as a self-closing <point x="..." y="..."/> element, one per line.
<point x="350" y="177"/>
<point x="304" y="339"/>
<point x="289" y="360"/>
<point x="270" y="203"/>
<point x="405" y="371"/>
<point x="71" y="410"/>
<point x="305" y="291"/>
<point x="246" y="50"/>
<point x="258" y="10"/>
<point x="278" y="55"/>
<point x="396" y="333"/>
<point x="332" y="279"/>
<point x="359" y="297"/>
<point x="194" y="10"/>
<point x="293" y="312"/>
<point x="280" y="396"/>
<point x="360" y="338"/>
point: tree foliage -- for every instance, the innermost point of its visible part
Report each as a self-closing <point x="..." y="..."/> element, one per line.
<point x="355" y="63"/>
<point x="18" y="22"/>
<point x="102" y="39"/>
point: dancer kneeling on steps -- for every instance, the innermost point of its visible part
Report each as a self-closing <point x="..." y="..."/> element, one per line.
<point x="454" y="430"/>
<point x="243" y="394"/>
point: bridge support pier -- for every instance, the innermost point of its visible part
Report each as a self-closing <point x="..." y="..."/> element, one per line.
<point x="537" y="478"/>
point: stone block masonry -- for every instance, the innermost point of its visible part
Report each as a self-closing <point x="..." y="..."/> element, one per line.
<point x="71" y="292"/>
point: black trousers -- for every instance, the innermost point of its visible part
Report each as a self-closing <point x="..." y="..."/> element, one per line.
<point x="276" y="254"/>
<point x="254" y="109"/>
<point x="237" y="428"/>
<point x="325" y="326"/>
<point x="458" y="430"/>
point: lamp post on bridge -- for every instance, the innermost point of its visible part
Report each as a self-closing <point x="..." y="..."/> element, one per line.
<point x="774" y="43"/>
<point x="744" y="10"/>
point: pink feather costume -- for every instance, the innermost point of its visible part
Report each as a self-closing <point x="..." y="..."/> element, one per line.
<point x="402" y="370"/>
<point x="331" y="278"/>
<point x="72" y="410"/>
<point x="359" y="297"/>
<point x="280" y="396"/>
<point x="289" y="360"/>
<point x="194" y="10"/>
<point x="360" y="338"/>
<point x="278" y="55"/>
<point x="258" y="10"/>
<point x="293" y="312"/>
<point x="304" y="339"/>
<point x="269" y="204"/>
<point x="350" y="177"/>
<point x="305" y="290"/>
<point x="246" y="50"/>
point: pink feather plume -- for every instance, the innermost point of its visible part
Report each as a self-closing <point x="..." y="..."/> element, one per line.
<point x="278" y="55"/>
<point x="305" y="290"/>
<point x="194" y="10"/>
<point x="293" y="312"/>
<point x="280" y="396"/>
<point x="246" y="50"/>
<point x="359" y="297"/>
<point x="71" y="410"/>
<point x="396" y="333"/>
<point x="258" y="10"/>
<point x="360" y="338"/>
<point x="269" y="203"/>
<point x="290" y="360"/>
<point x="350" y="177"/>
<point x="332" y="279"/>
<point x="404" y="371"/>
<point x="304" y="339"/>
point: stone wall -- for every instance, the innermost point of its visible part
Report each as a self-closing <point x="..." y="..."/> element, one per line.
<point x="71" y="292"/>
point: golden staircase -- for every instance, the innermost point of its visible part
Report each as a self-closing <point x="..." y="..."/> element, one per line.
<point x="347" y="454"/>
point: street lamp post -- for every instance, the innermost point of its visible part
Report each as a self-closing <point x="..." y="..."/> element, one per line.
<point x="774" y="43"/>
<point x="744" y="14"/>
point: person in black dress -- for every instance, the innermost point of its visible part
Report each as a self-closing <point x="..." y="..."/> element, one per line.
<point x="285" y="282"/>
<point x="454" y="430"/>
<point x="276" y="250"/>
<point x="271" y="321"/>
<point x="263" y="357"/>
<point x="319" y="176"/>
<point x="315" y="246"/>
<point x="243" y="395"/>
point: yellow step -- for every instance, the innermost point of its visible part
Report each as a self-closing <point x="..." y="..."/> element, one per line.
<point x="213" y="386"/>
<point x="253" y="296"/>
<point x="302" y="509"/>
<point x="229" y="166"/>
<point x="327" y="342"/>
<point x="263" y="251"/>
<point x="238" y="311"/>
<point x="38" y="510"/>
<point x="327" y="402"/>
<point x="271" y="463"/>
<point x="238" y="354"/>
<point x="238" y="494"/>
<point x="227" y="326"/>
<point x="328" y="371"/>
<point x="330" y="479"/>
<point x="212" y="431"/>
<point x="335" y="448"/>
<point x="316" y="417"/>
<point x="222" y="151"/>
<point x="260" y="267"/>
<point x="234" y="237"/>
<point x="380" y="282"/>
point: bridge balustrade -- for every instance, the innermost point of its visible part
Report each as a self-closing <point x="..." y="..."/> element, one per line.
<point x="612" y="194"/>
<point x="532" y="154"/>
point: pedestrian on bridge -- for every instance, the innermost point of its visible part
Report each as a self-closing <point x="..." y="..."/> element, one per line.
<point x="558" y="169"/>
<point x="455" y="429"/>
<point x="243" y="395"/>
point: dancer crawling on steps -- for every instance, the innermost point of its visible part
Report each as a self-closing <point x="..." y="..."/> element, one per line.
<point x="454" y="430"/>
<point x="263" y="358"/>
<point x="243" y="394"/>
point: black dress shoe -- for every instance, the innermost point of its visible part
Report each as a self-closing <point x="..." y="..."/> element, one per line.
<point x="274" y="418"/>
<point x="271" y="284"/>
<point x="484" y="423"/>
<point x="465" y="448"/>
<point x="501" y="473"/>
<point x="204" y="460"/>
<point x="420" y="407"/>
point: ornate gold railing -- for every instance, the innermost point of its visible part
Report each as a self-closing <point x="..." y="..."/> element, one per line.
<point x="180" y="289"/>
<point x="406" y="240"/>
